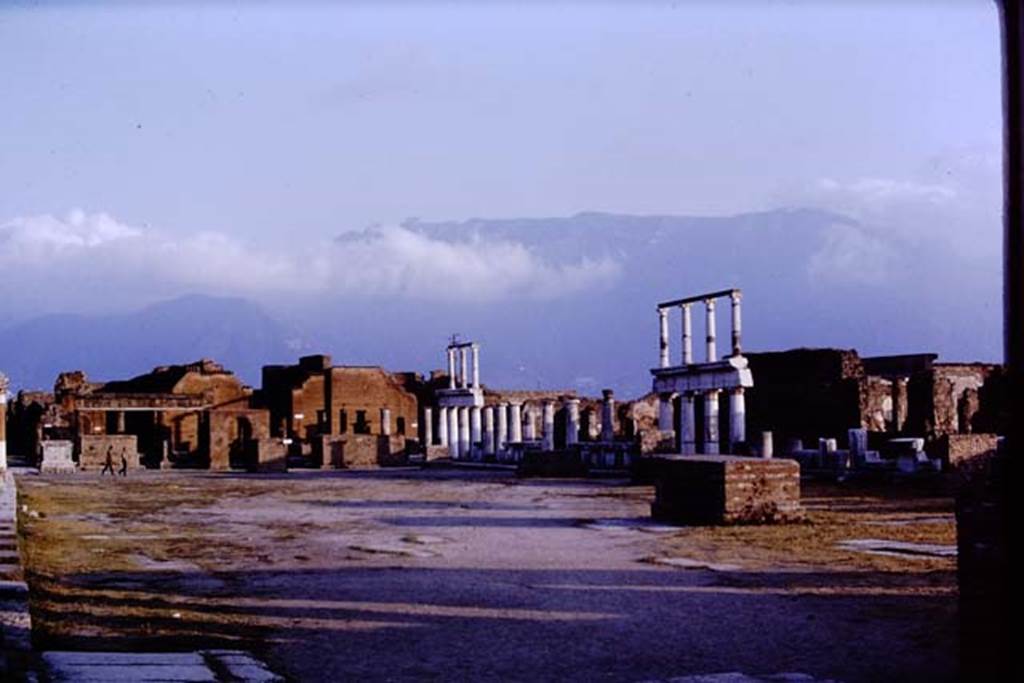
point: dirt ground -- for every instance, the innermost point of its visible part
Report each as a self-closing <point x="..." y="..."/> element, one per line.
<point x="440" y="574"/>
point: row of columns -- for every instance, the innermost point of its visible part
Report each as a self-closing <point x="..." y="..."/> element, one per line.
<point x="687" y="419"/>
<point x="459" y="365"/>
<point x="495" y="427"/>
<point x="711" y="342"/>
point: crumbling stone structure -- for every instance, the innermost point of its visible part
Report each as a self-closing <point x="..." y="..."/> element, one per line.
<point x="343" y="416"/>
<point x="192" y="415"/>
<point x="692" y="383"/>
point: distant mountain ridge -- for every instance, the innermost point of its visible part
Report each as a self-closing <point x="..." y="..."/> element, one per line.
<point x="233" y="331"/>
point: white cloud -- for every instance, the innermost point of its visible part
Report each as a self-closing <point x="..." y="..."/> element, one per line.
<point x="403" y="262"/>
<point x="86" y="255"/>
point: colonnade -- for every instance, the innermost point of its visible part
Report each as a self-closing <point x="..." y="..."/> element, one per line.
<point x="690" y="382"/>
<point x="490" y="430"/>
<point x="459" y="364"/>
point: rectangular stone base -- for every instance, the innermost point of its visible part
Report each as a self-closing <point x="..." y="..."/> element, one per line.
<point x="726" y="489"/>
<point x="551" y="464"/>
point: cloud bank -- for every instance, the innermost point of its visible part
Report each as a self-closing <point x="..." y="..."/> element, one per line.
<point x="87" y="257"/>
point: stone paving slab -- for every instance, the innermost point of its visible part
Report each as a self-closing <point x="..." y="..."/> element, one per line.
<point x="211" y="666"/>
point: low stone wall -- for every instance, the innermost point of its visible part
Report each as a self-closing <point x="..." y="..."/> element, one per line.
<point x="271" y="455"/>
<point x="551" y="464"/>
<point x="371" y="450"/>
<point x="955" y="450"/>
<point x="726" y="489"/>
<point x="93" y="451"/>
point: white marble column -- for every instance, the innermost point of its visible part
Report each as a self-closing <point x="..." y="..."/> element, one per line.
<point x="666" y="423"/>
<point x="709" y="323"/>
<point x="549" y="426"/>
<point x="711" y="422"/>
<point x="687" y="425"/>
<point x="464" y="433"/>
<point x="451" y="368"/>
<point x="385" y="422"/>
<point x="489" y="430"/>
<point x="453" y="433"/>
<point x="515" y="422"/>
<point x="463" y="367"/>
<point x="502" y="439"/>
<point x="442" y="426"/>
<point x="687" y="357"/>
<point x="736" y="322"/>
<point x="3" y="424"/>
<point x="475" y="430"/>
<point x="663" y="337"/>
<point x="572" y="421"/>
<point x="476" y="366"/>
<point x="428" y="427"/>
<point x="767" y="445"/>
<point x="608" y="416"/>
<point x="737" y="418"/>
<point x="529" y="424"/>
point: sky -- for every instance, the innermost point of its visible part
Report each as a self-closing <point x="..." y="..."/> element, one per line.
<point x="153" y="149"/>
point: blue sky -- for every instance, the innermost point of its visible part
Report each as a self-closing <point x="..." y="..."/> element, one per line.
<point x="220" y="147"/>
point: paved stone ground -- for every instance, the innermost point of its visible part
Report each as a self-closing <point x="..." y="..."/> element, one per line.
<point x="412" y="575"/>
<point x="208" y="666"/>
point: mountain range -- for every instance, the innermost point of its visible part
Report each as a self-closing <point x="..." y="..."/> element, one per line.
<point x="810" y="278"/>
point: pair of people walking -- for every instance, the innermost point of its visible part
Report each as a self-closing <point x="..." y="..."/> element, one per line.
<point x="108" y="465"/>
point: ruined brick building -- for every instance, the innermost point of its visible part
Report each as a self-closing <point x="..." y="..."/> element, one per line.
<point x="811" y="393"/>
<point x="192" y="415"/>
<point x="344" y="415"/>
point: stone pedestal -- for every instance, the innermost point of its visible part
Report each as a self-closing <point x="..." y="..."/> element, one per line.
<point x="58" y="457"/>
<point x="724" y="489"/>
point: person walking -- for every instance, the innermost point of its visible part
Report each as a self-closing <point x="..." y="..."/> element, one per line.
<point x="124" y="466"/>
<point x="108" y="466"/>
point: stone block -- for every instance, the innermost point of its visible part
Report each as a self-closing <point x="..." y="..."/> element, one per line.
<point x="57" y="457"/>
<point x="958" y="450"/>
<point x="726" y="489"/>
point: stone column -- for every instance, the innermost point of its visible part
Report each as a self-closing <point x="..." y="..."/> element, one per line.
<point x="515" y="422"/>
<point x="502" y="439"/>
<point x="549" y="426"/>
<point x="428" y="427"/>
<point x="475" y="435"/>
<point x="767" y="445"/>
<point x="663" y="337"/>
<point x="442" y="426"/>
<point x="3" y="424"/>
<point x="120" y="421"/>
<point x="687" y="335"/>
<point x="665" y="413"/>
<point x="451" y="368"/>
<point x="687" y="426"/>
<point x="608" y="416"/>
<point x="529" y="424"/>
<point x="572" y="421"/>
<point x="899" y="403"/>
<point x="463" y="367"/>
<point x="737" y="418"/>
<point x="489" y="430"/>
<point x="385" y="422"/>
<point x="476" y="366"/>
<point x="464" y="432"/>
<point x="453" y="433"/>
<point x="709" y="319"/>
<point x="711" y="422"/>
<point x="736" y="322"/>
